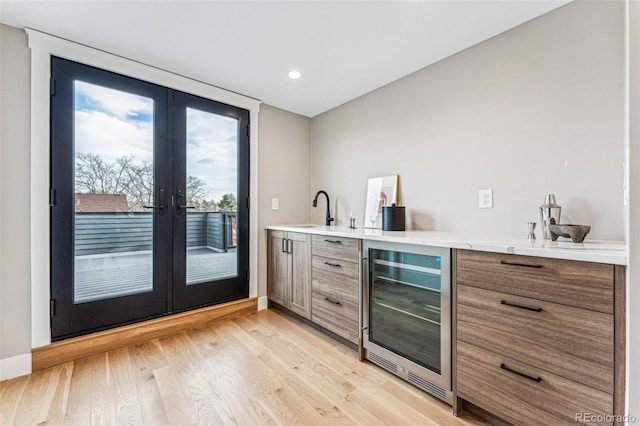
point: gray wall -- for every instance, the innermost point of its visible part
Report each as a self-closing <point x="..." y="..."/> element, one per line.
<point x="15" y="274"/>
<point x="538" y="109"/>
<point x="283" y="174"/>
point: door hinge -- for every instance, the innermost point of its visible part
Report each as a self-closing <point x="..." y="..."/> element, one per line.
<point x="52" y="86"/>
<point x="52" y="197"/>
<point x="248" y="130"/>
<point x="248" y="202"/>
<point x="248" y="275"/>
<point x="52" y="307"/>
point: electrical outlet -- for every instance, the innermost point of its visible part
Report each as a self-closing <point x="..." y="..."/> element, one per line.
<point x="275" y="204"/>
<point x="485" y="198"/>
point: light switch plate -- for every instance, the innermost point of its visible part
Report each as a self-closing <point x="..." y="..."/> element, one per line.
<point x="275" y="204"/>
<point x="485" y="198"/>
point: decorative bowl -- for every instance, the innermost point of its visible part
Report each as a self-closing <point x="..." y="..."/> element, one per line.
<point x="575" y="232"/>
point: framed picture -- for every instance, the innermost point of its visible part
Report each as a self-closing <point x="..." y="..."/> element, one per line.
<point x="381" y="192"/>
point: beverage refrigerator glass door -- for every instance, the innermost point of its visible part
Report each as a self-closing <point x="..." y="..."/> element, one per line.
<point x="407" y="313"/>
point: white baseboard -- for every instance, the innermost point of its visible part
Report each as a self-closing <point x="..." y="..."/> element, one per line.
<point x="262" y="303"/>
<point x="15" y="366"/>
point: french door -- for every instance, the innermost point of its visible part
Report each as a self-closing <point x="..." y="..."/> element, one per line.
<point x="149" y="200"/>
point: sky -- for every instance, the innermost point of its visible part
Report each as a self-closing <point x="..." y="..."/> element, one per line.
<point x="113" y="124"/>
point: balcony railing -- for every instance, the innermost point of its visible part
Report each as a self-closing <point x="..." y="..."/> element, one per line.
<point x="113" y="252"/>
<point x="100" y="233"/>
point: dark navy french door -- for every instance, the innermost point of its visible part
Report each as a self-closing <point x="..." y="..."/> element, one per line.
<point x="149" y="200"/>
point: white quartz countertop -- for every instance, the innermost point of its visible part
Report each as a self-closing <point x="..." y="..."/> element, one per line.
<point x="611" y="252"/>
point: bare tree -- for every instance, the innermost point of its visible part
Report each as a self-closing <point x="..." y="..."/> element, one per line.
<point x="196" y="193"/>
<point x="139" y="186"/>
<point x="135" y="179"/>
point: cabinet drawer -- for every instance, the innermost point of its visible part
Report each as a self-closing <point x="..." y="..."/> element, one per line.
<point x="338" y="281"/>
<point x="570" y="342"/>
<point x="340" y="318"/>
<point x="581" y="284"/>
<point x="483" y="380"/>
<point x="336" y="248"/>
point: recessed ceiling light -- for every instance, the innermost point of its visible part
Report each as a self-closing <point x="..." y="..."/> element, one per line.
<point x="295" y="74"/>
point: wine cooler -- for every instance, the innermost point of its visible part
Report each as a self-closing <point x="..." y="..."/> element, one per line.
<point x="407" y="313"/>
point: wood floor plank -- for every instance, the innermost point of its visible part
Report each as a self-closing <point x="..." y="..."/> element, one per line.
<point x="11" y="392"/>
<point x="183" y="376"/>
<point x="174" y="400"/>
<point x="79" y="402"/>
<point x="35" y="396"/>
<point x="262" y="368"/>
<point x="103" y="407"/>
<point x="58" y="405"/>
<point x="125" y="393"/>
<point x="145" y="358"/>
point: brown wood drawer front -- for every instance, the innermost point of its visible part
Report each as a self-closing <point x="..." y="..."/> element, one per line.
<point x="339" y="281"/>
<point x="522" y="401"/>
<point x="340" y="318"/>
<point x="336" y="248"/>
<point x="570" y="342"/>
<point x="581" y="284"/>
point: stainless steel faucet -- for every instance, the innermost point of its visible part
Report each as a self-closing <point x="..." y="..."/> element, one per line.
<point x="328" y="218"/>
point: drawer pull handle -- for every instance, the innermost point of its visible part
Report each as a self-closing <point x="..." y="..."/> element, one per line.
<point x="333" y="241"/>
<point x="332" y="264"/>
<point x="526" y="376"/>
<point x="504" y="262"/>
<point x="513" y="305"/>
<point x="330" y="300"/>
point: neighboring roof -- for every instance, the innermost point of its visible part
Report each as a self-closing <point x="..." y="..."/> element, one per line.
<point x="101" y="203"/>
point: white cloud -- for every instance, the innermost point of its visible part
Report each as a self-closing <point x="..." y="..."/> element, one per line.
<point x="212" y="151"/>
<point x="114" y="124"/>
<point x="115" y="102"/>
<point x="111" y="138"/>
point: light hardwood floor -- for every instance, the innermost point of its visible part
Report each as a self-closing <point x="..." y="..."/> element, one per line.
<point x="257" y="369"/>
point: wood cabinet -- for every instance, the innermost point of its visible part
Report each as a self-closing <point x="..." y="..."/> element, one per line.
<point x="537" y="339"/>
<point x="335" y="272"/>
<point x="289" y="271"/>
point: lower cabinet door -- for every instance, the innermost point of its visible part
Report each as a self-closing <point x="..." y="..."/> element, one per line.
<point x="525" y="395"/>
<point x="299" y="299"/>
<point x="278" y="274"/>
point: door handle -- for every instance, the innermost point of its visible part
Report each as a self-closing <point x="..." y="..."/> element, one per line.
<point x="177" y="197"/>
<point x="282" y="246"/>
<point x="289" y="246"/>
<point x="161" y="205"/>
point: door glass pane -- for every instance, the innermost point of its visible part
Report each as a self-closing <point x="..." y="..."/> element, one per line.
<point x="113" y="232"/>
<point x="405" y="308"/>
<point x="212" y="188"/>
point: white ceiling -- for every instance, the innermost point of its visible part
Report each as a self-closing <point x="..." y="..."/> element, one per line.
<point x="344" y="49"/>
